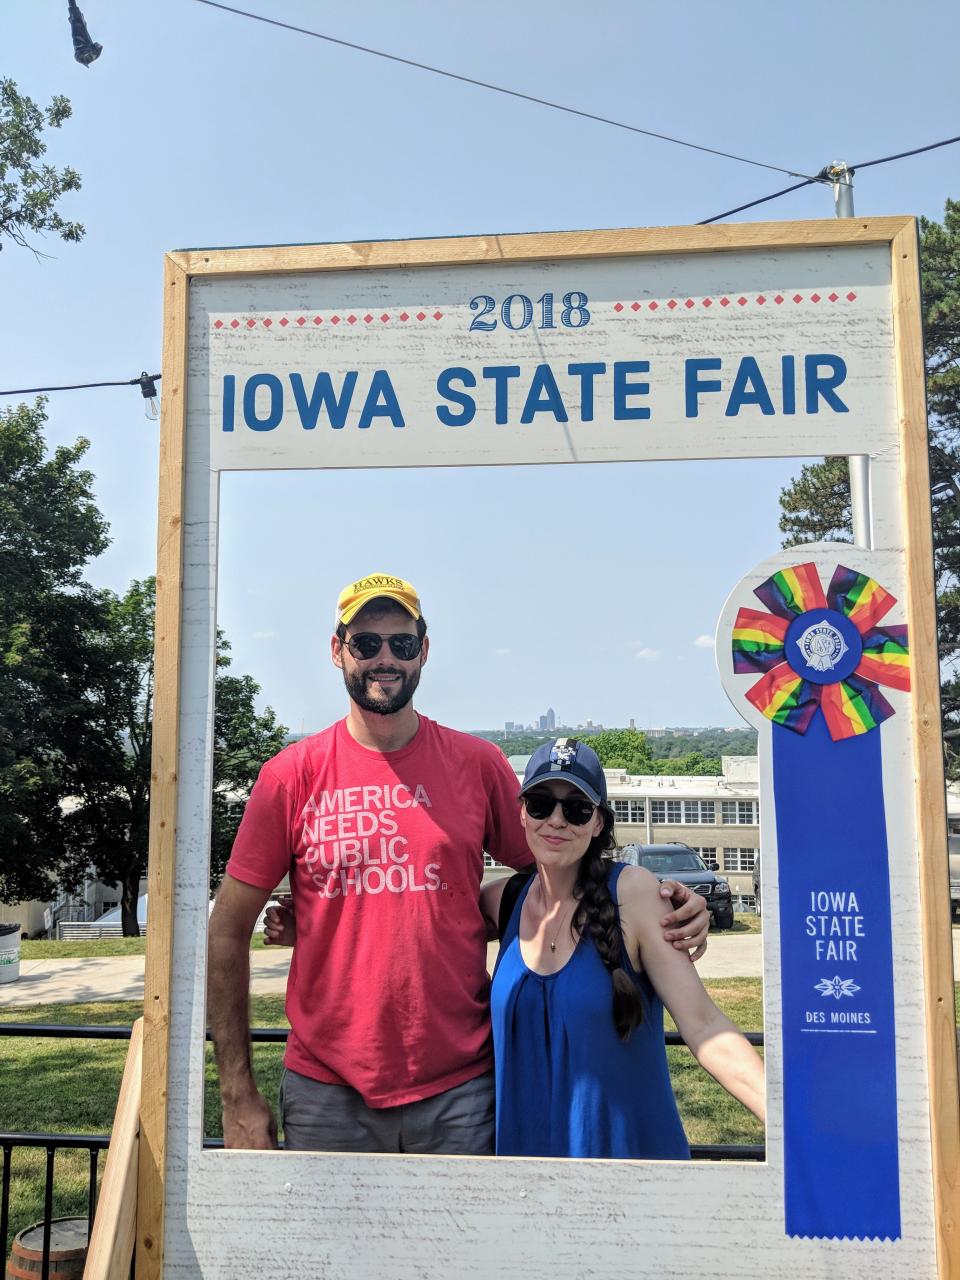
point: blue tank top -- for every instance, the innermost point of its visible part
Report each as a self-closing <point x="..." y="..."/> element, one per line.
<point x="566" y="1083"/>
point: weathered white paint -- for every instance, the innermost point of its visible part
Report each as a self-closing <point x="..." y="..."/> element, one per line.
<point x="414" y="352"/>
<point x="231" y="1214"/>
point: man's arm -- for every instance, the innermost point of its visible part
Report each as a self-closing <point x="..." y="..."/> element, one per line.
<point x="247" y="1119"/>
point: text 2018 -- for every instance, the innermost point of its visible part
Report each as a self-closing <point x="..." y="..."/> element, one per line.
<point x="516" y="311"/>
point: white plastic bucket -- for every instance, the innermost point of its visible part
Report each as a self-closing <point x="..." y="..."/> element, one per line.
<point x="9" y="952"/>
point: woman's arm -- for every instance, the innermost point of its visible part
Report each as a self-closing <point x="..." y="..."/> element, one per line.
<point x="709" y="1034"/>
<point x="490" y="896"/>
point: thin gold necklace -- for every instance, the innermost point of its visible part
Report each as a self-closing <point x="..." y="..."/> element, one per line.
<point x="553" y="944"/>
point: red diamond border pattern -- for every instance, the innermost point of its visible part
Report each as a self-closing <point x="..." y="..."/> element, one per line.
<point x="351" y="318"/>
<point x="759" y="300"/>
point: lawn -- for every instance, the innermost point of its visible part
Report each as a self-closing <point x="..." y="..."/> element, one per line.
<point x="60" y="1086"/>
<point x="46" y="949"/>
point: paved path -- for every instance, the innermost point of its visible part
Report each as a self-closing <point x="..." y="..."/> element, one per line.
<point x="121" y="977"/>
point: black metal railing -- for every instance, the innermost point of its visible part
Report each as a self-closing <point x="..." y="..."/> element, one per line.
<point x="51" y="1143"/>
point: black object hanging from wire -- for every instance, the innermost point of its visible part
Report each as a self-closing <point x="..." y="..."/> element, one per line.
<point x="85" y="50"/>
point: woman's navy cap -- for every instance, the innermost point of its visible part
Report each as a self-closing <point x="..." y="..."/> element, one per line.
<point x="570" y="761"/>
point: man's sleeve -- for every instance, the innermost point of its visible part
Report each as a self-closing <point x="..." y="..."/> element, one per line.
<point x="261" y="851"/>
<point x="504" y="838"/>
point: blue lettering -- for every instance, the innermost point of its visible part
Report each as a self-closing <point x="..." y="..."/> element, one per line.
<point x="380" y="385"/>
<point x="467" y="405"/>
<point x="543" y="396"/>
<point x="789" y="383"/>
<point x="623" y="388"/>
<point x="749" y="388"/>
<point x="587" y="374"/>
<point x="823" y="385"/>
<point x="500" y="373"/>
<point x="272" y="383"/>
<point x="323" y="394"/>
<point x="694" y="384"/>
<point x="229" y="400"/>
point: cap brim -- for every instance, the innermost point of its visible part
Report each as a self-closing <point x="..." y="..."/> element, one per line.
<point x="557" y="775"/>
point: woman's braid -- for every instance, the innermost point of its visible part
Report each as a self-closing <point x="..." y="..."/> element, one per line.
<point x="596" y="915"/>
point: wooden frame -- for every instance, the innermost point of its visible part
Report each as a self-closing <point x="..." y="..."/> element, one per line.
<point x="896" y="236"/>
<point x="110" y="1251"/>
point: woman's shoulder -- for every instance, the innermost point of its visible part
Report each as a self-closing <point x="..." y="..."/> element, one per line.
<point x="637" y="892"/>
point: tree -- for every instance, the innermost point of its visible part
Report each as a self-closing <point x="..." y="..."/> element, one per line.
<point x="109" y="829"/>
<point x="30" y="190"/>
<point x="50" y="653"/>
<point x="624" y="749"/>
<point x="694" y="765"/>
<point x="816" y="507"/>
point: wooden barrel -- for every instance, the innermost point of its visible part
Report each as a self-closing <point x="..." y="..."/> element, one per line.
<point x="68" y="1251"/>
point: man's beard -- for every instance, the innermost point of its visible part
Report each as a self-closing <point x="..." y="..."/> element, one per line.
<point x="383" y="704"/>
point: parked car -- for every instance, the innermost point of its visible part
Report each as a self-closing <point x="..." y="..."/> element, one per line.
<point x="953" y="852"/>
<point x="680" y="862"/>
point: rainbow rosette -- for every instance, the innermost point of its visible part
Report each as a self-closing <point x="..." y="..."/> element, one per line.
<point x="822" y="651"/>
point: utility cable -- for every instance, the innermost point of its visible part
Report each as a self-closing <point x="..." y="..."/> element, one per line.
<point x="82" y="386"/>
<point x="496" y="88"/>
<point x="822" y="176"/>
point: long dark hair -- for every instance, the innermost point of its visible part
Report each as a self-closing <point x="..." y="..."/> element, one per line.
<point x="597" y="915"/>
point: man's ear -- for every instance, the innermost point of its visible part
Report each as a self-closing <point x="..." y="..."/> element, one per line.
<point x="425" y="650"/>
<point x="336" y="650"/>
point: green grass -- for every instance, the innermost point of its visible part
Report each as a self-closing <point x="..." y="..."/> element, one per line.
<point x="70" y="1086"/>
<point x="44" y="949"/>
<point x="746" y="922"/>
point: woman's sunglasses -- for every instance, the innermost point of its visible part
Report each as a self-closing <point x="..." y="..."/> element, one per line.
<point x="367" y="644"/>
<point x="577" y="810"/>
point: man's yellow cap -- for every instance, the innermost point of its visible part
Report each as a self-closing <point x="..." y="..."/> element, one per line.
<point x="376" y="585"/>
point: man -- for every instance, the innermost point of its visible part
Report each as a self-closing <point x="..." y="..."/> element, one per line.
<point x="381" y="821"/>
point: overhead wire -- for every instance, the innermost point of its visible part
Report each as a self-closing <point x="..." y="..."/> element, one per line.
<point x="496" y="88"/>
<point x="823" y="177"/>
<point x="83" y="386"/>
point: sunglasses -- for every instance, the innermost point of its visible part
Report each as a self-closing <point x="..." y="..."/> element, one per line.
<point x="367" y="644"/>
<point x="577" y="810"/>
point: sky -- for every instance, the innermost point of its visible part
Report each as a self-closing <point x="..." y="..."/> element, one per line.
<point x="197" y="127"/>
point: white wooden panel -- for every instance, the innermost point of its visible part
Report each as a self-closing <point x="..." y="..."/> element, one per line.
<point x="761" y="304"/>
<point x="285" y="1215"/>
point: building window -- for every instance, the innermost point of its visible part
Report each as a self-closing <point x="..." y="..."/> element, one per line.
<point x="709" y="856"/>
<point x="953" y="826"/>
<point x="698" y="811"/>
<point x="743" y="812"/>
<point x="489" y="862"/>
<point x="739" y="859"/>
<point x="629" y="811"/>
<point x="658" y="812"/>
<point x="744" y="902"/>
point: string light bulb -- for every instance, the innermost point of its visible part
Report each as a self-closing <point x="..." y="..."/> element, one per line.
<point x="148" y="389"/>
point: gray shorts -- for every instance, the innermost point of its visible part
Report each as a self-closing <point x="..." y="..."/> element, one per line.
<point x="333" y="1117"/>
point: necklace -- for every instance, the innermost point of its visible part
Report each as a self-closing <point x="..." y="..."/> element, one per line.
<point x="553" y="944"/>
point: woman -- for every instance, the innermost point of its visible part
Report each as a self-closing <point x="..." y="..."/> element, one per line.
<point x="580" y="984"/>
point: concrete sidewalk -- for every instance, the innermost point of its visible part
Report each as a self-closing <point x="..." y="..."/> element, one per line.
<point x="728" y="955"/>
<point x="121" y="977"/>
<point x="117" y="978"/>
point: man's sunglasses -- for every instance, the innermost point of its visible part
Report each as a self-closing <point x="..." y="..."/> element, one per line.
<point x="577" y="810"/>
<point x="367" y="644"/>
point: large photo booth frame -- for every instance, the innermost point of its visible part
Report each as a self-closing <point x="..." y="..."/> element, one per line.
<point x="776" y="289"/>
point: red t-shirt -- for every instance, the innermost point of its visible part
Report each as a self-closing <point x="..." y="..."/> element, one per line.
<point x="388" y="990"/>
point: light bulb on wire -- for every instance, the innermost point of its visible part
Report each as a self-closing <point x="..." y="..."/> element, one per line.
<point x="148" y="389"/>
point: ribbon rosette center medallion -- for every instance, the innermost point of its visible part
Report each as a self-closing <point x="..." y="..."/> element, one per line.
<point x="821" y="651"/>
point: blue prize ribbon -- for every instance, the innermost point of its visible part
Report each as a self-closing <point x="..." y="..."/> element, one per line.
<point x="841" y="1166"/>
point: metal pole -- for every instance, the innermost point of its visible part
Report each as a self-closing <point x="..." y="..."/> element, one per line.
<point x="841" y="177"/>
